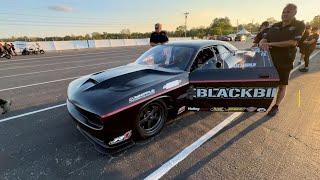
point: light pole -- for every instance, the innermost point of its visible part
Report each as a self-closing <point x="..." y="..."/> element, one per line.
<point x="185" y="24"/>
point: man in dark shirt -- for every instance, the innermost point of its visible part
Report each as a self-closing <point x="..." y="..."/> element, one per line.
<point x="301" y="45"/>
<point x="310" y="44"/>
<point x="282" y="39"/>
<point x="158" y="36"/>
<point x="264" y="28"/>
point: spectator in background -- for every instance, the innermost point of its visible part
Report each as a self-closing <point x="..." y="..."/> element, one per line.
<point x="302" y="45"/>
<point x="310" y="44"/>
<point x="264" y="28"/>
<point x="13" y="49"/>
<point x="158" y="36"/>
<point x="5" y="105"/>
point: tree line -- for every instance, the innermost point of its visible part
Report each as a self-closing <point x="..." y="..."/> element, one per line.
<point x="219" y="26"/>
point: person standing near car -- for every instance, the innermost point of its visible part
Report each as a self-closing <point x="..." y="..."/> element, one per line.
<point x="13" y="49"/>
<point x="302" y="45"/>
<point x="5" y="105"/>
<point x="310" y="44"/>
<point x="264" y="28"/>
<point x="281" y="40"/>
<point x="158" y="36"/>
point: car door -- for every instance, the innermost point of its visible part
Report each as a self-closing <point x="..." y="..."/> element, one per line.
<point x="233" y="81"/>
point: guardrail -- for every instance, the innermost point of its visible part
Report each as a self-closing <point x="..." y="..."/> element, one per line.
<point x="82" y="44"/>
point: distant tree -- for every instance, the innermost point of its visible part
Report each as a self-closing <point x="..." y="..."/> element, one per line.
<point x="87" y="36"/>
<point x="104" y="35"/>
<point x="220" y="26"/>
<point x="315" y="22"/>
<point x="180" y="31"/>
<point x="272" y="20"/>
<point x="253" y="28"/>
<point x="96" y="35"/>
<point x="125" y="33"/>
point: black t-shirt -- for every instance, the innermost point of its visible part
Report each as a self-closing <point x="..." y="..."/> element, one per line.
<point x="303" y="38"/>
<point x="283" y="57"/>
<point x="260" y="35"/>
<point x="159" y="38"/>
<point x="313" y="45"/>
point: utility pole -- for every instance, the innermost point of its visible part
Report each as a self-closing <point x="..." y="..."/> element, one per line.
<point x="185" y="24"/>
<point x="237" y="26"/>
<point x="251" y="26"/>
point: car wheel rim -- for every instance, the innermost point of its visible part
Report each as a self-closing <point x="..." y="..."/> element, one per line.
<point x="150" y="117"/>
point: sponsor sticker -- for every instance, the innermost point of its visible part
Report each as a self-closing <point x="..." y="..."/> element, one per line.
<point x="245" y="65"/>
<point x="251" y="109"/>
<point x="193" y="109"/>
<point x="236" y="109"/>
<point x="261" y="109"/>
<point x="122" y="138"/>
<point x="182" y="109"/>
<point x="172" y="84"/>
<point x="141" y="96"/>
<point x="235" y="93"/>
<point x="292" y="28"/>
<point x="218" y="109"/>
<point x="204" y="109"/>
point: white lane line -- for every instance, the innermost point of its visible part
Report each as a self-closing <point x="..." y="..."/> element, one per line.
<point x="70" y="55"/>
<point x="33" y="112"/>
<point x="37" y="84"/>
<point x="52" y="70"/>
<point x="187" y="151"/>
<point x="76" y="61"/>
<point x="183" y="154"/>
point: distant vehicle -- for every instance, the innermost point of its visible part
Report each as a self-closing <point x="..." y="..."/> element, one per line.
<point x="232" y="36"/>
<point x="223" y="38"/>
<point x="32" y="50"/>
<point x="240" y="38"/>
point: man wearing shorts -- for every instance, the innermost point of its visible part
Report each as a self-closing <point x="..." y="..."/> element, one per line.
<point x="281" y="40"/>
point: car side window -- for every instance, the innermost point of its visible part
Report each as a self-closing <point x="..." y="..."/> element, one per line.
<point x="204" y="57"/>
<point x="250" y="58"/>
<point x="223" y="52"/>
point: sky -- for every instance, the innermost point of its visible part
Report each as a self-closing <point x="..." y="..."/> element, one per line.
<point x="43" y="18"/>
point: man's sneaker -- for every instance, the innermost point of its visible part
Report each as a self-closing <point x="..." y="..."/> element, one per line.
<point x="273" y="111"/>
<point x="6" y="107"/>
<point x="303" y="70"/>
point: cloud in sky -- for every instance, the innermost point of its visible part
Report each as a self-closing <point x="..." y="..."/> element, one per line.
<point x="61" y="8"/>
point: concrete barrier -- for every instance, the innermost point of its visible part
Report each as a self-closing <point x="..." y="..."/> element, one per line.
<point x="82" y="44"/>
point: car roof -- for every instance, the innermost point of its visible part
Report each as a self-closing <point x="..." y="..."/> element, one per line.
<point x="199" y="44"/>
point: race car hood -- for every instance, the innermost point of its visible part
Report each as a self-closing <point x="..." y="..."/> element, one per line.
<point x="107" y="91"/>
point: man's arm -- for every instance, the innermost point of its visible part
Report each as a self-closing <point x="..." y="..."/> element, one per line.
<point x="283" y="43"/>
<point x="313" y="40"/>
<point x="263" y="44"/>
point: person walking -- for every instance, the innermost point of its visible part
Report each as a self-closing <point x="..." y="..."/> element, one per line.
<point x="310" y="45"/>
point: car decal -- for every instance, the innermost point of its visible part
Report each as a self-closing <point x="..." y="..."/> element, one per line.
<point x="141" y="101"/>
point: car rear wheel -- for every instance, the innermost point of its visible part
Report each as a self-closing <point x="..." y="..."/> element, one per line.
<point x="151" y="118"/>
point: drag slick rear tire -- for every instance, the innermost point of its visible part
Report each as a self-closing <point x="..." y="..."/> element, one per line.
<point x="151" y="118"/>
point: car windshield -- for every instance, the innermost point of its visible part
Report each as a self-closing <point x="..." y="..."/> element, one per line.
<point x="171" y="57"/>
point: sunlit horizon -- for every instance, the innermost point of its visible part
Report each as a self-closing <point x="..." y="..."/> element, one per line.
<point x="74" y="17"/>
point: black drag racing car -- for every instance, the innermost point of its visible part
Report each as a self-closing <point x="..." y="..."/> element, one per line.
<point x="114" y="107"/>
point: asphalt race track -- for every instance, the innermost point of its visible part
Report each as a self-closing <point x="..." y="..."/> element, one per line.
<point x="47" y="145"/>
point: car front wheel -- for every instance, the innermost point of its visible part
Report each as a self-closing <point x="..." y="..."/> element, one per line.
<point x="151" y="118"/>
